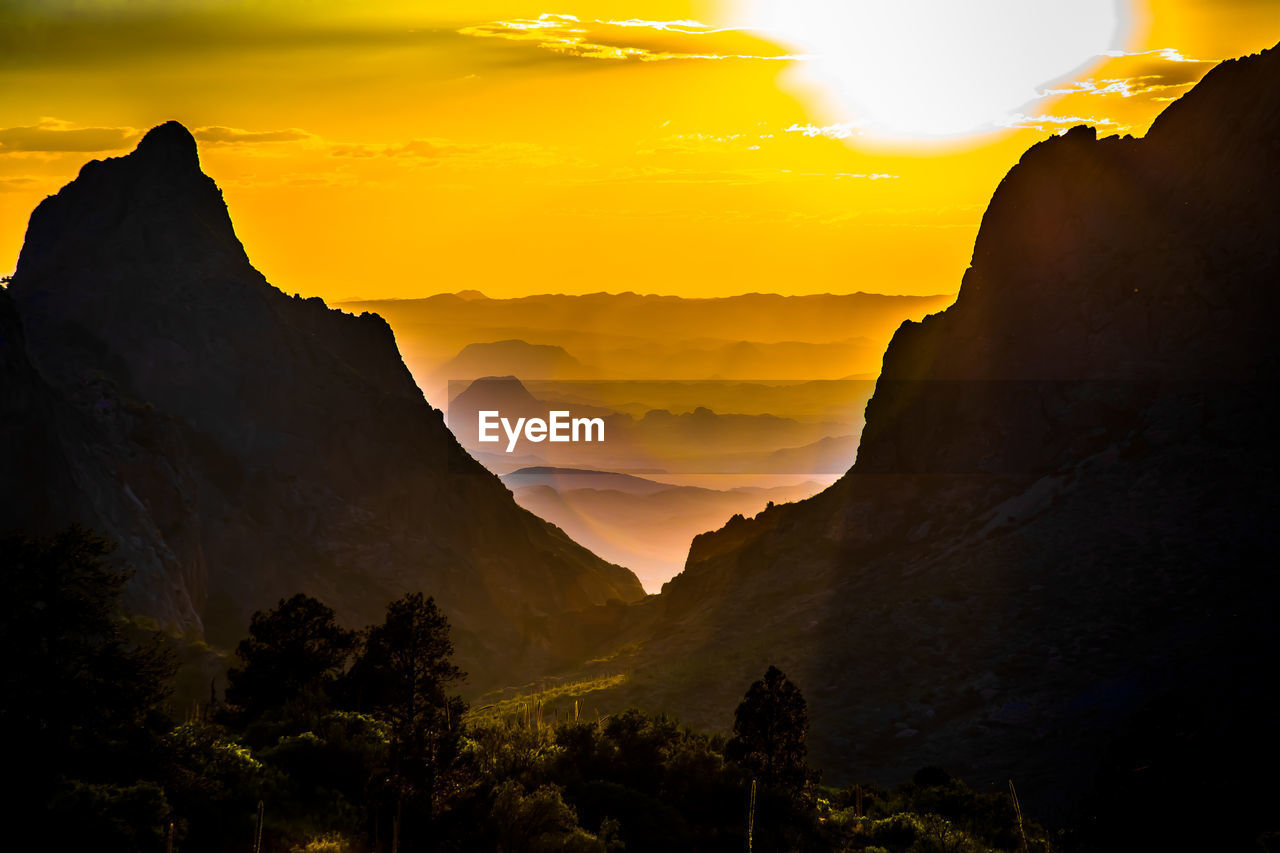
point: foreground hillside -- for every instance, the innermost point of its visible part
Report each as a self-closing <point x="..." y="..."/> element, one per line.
<point x="333" y="741"/>
<point x="241" y="444"/>
<point x="1054" y="557"/>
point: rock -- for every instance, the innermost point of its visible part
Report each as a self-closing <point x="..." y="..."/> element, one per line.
<point x="243" y="445"/>
<point x="1089" y="434"/>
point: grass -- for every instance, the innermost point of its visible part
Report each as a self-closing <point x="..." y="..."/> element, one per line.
<point x="542" y="702"/>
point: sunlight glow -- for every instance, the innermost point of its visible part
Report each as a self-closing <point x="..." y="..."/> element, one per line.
<point x="933" y="68"/>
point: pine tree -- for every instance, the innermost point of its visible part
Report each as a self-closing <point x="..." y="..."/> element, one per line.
<point x="291" y="659"/>
<point x="769" y="730"/>
<point x="403" y="676"/>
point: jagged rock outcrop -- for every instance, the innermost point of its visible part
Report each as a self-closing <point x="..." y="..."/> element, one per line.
<point x="1063" y="514"/>
<point x="242" y="444"/>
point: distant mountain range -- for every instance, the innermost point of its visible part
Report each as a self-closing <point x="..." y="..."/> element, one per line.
<point x="241" y="445"/>
<point x="639" y="523"/>
<point x="567" y="479"/>
<point x="1054" y="559"/>
<point x="630" y="336"/>
<point x="762" y="317"/>
<point x="700" y="441"/>
<point x="502" y="358"/>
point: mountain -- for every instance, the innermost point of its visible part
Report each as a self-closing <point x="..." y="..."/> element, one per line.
<point x="841" y="400"/>
<point x="566" y="479"/>
<point x="828" y="455"/>
<point x="700" y="441"/>
<point x="628" y="336"/>
<point x="477" y="361"/>
<point x="504" y="393"/>
<point x="642" y="524"/>
<point x="758" y="317"/>
<point x="500" y="358"/>
<point x="241" y="444"/>
<point x="1054" y="559"/>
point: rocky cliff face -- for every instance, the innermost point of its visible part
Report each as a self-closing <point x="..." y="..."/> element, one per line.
<point x="1063" y="511"/>
<point x="243" y="444"/>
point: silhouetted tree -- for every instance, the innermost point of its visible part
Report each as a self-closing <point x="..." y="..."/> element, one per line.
<point x="80" y="693"/>
<point x="769" y="730"/>
<point x="293" y="656"/>
<point x="403" y="676"/>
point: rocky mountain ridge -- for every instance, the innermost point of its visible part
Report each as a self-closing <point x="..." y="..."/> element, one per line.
<point x="1058" y="540"/>
<point x="242" y="444"/>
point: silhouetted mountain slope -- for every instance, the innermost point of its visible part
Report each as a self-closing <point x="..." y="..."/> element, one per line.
<point x="27" y="408"/>
<point x="273" y="444"/>
<point x="73" y="458"/>
<point x="1063" y="515"/>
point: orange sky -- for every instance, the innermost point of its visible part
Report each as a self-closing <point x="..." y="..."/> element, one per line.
<point x="395" y="148"/>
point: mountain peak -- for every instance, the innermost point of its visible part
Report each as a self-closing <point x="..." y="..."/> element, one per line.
<point x="151" y="207"/>
<point x="240" y="444"/>
<point x="169" y="146"/>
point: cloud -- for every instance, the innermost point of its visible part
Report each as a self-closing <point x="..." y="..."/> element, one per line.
<point x="631" y="39"/>
<point x="426" y="149"/>
<point x="466" y="155"/>
<point x="1019" y="121"/>
<point x="741" y="177"/>
<point x="54" y="135"/>
<point x="18" y="183"/>
<point x="1153" y="74"/>
<point x="219" y="135"/>
<point x="842" y="130"/>
<point x="298" y="180"/>
<point x="686" y="26"/>
<point x="693" y="143"/>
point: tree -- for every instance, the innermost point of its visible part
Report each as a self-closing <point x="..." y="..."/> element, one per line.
<point x="402" y="676"/>
<point x="541" y="822"/>
<point x="292" y="657"/>
<point x="80" y="691"/>
<point x="769" y="730"/>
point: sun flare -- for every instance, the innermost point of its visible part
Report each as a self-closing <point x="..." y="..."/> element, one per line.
<point x="933" y="68"/>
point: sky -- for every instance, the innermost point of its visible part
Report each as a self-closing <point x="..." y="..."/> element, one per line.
<point x="388" y="149"/>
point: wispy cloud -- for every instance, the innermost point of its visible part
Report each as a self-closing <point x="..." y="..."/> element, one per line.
<point x="18" y="183"/>
<point x="56" y="136"/>
<point x="456" y="154"/>
<point x="741" y="177"/>
<point x="299" y="180"/>
<point x="219" y="135"/>
<point x="630" y="39"/>
<point x="1052" y="122"/>
<point x="1153" y="74"/>
<point x="691" y="143"/>
<point x="1169" y="54"/>
<point x="842" y="130"/>
<point x="51" y="135"/>
<point x="687" y="26"/>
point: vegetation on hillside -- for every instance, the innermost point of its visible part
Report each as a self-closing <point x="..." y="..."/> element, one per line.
<point x="333" y="740"/>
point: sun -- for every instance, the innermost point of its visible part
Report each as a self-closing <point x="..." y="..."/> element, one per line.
<point x="932" y="68"/>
